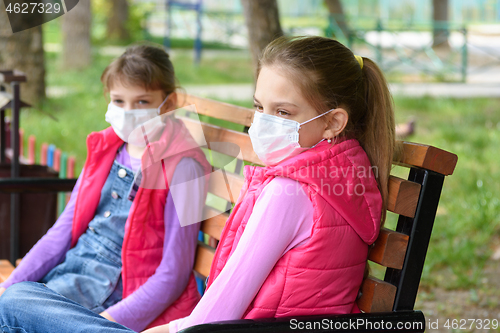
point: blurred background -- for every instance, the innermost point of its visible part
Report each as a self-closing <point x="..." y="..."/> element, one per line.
<point x="441" y="57"/>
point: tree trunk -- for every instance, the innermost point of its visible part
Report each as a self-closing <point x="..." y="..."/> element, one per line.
<point x="117" y="22"/>
<point x="336" y="11"/>
<point x="76" y="36"/>
<point x="263" y="24"/>
<point x="23" y="51"/>
<point x="440" y="22"/>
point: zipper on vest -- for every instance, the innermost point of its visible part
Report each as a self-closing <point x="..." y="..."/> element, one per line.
<point x="135" y="185"/>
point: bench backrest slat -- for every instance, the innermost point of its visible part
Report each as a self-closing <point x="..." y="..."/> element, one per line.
<point x="389" y="249"/>
<point x="403" y="196"/>
<point x="219" y="110"/>
<point x="235" y="142"/>
<point x="376" y="295"/>
<point x="204" y="258"/>
<point x="214" y="223"/>
<point x="428" y="157"/>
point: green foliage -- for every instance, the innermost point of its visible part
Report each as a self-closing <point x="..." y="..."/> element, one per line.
<point x="188" y="43"/>
<point x="223" y="69"/>
<point x="469" y="211"/>
<point x="100" y="14"/>
<point x="138" y="13"/>
<point x="52" y="31"/>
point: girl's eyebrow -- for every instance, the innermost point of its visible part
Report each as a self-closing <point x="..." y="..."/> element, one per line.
<point x="141" y="96"/>
<point x="278" y="104"/>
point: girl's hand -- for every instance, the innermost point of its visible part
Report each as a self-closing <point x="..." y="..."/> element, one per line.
<point x="2" y="290"/>
<point x="107" y="316"/>
<point x="158" y="329"/>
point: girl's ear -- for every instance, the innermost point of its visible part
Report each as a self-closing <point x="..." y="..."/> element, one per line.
<point x="336" y="122"/>
<point x="170" y="104"/>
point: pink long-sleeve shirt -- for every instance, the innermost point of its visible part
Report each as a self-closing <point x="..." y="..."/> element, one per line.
<point x="281" y="219"/>
<point x="171" y="276"/>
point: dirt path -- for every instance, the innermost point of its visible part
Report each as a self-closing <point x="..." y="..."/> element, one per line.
<point x="458" y="306"/>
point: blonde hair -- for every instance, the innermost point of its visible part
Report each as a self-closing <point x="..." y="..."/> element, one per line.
<point x="329" y="77"/>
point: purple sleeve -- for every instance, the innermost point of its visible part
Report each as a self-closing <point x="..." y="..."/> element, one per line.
<point x="50" y="250"/>
<point x="173" y="273"/>
<point x="281" y="219"/>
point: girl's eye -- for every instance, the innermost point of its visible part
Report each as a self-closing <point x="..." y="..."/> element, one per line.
<point x="143" y="102"/>
<point x="117" y="101"/>
<point x="283" y="113"/>
<point x="258" y="108"/>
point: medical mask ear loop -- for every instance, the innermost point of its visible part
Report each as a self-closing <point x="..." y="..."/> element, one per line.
<point x="138" y="174"/>
<point x="305" y="122"/>
<point x="144" y="130"/>
<point x="159" y="108"/>
<point x="148" y="147"/>
<point x="318" y="143"/>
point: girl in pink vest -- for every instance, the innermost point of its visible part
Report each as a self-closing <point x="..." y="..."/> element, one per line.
<point x="124" y="246"/>
<point x="296" y="242"/>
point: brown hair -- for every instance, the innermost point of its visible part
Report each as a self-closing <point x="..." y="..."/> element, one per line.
<point x="329" y="77"/>
<point x="142" y="65"/>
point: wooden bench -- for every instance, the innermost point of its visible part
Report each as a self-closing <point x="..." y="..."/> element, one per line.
<point x="401" y="251"/>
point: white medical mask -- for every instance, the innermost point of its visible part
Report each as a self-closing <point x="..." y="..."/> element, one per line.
<point x="275" y="139"/>
<point x="124" y="122"/>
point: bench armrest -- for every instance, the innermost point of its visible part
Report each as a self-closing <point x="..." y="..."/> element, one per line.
<point x="27" y="184"/>
<point x="401" y="321"/>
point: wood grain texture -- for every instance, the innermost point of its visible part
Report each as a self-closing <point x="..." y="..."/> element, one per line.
<point x="428" y="157"/>
<point x="214" y="222"/>
<point x="219" y="110"/>
<point x="203" y="260"/>
<point x="226" y="185"/>
<point x="389" y="249"/>
<point x="215" y="134"/>
<point x="376" y="295"/>
<point x="6" y="269"/>
<point x="403" y="196"/>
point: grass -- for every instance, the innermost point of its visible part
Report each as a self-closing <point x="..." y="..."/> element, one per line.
<point x="469" y="212"/>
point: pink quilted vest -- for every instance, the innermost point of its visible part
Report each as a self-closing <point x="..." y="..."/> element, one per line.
<point x="144" y="229"/>
<point x="322" y="276"/>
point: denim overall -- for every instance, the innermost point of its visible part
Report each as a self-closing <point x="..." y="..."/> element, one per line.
<point x="91" y="272"/>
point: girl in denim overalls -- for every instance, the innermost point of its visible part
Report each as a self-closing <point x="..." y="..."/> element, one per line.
<point x="111" y="217"/>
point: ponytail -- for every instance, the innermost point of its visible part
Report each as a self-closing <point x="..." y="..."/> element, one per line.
<point x="377" y="135"/>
